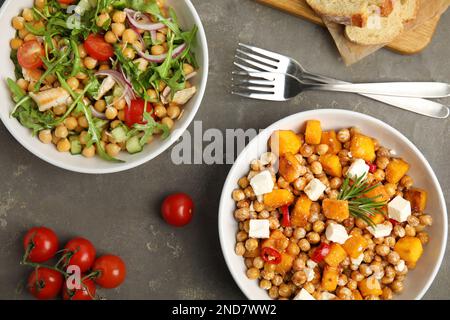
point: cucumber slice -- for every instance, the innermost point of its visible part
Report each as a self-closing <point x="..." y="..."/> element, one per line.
<point x="75" y="145"/>
<point x="119" y="134"/>
<point x="133" y="145"/>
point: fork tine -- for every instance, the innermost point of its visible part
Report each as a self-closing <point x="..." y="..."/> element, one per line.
<point x="248" y="69"/>
<point x="259" y="96"/>
<point x="255" y="64"/>
<point x="271" y="55"/>
<point x="270" y="63"/>
<point x="259" y="75"/>
<point x="270" y="90"/>
<point x="252" y="81"/>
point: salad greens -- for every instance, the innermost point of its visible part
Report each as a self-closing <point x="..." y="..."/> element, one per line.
<point x="63" y="30"/>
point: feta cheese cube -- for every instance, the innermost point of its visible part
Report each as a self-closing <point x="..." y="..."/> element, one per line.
<point x="357" y="169"/>
<point x="357" y="261"/>
<point x="336" y="233"/>
<point x="315" y="189"/>
<point x="259" y="228"/>
<point x="310" y="274"/>
<point x="262" y="183"/>
<point x="380" y="230"/>
<point x="399" y="209"/>
<point x="311" y="264"/>
<point x="327" y="296"/>
<point x="304" y="295"/>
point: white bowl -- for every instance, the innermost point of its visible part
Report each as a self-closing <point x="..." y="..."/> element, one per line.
<point x="419" y="280"/>
<point x="187" y="16"/>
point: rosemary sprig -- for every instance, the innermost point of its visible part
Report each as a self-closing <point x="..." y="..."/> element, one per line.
<point x="360" y="206"/>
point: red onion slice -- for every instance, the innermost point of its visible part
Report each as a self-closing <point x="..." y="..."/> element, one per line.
<point x="133" y="17"/>
<point x="122" y="81"/>
<point x="97" y="114"/>
<point x="191" y="75"/>
<point x="160" y="58"/>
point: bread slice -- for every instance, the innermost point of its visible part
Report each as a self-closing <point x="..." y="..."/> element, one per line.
<point x="381" y="30"/>
<point x="350" y="12"/>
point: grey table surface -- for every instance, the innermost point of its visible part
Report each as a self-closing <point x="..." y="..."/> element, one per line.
<point x="120" y="212"/>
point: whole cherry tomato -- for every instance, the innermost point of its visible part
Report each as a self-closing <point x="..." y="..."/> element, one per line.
<point x="82" y="253"/>
<point x="86" y="292"/>
<point x="44" y="283"/>
<point x="177" y="209"/>
<point x="29" y="54"/>
<point x="134" y="113"/>
<point x="98" y="48"/>
<point x="111" y="269"/>
<point x="43" y="242"/>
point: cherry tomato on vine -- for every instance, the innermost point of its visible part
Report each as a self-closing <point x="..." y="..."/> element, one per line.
<point x="82" y="253"/>
<point x="29" y="54"/>
<point x="111" y="269"/>
<point x="135" y="112"/>
<point x="98" y="48"/>
<point x="44" y="283"/>
<point x="44" y="244"/>
<point x="86" y="292"/>
<point x="177" y="209"/>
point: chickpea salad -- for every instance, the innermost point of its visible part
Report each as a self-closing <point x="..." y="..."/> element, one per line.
<point x="328" y="215"/>
<point x="100" y="76"/>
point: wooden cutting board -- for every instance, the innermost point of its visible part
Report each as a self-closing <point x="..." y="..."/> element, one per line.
<point x="410" y="42"/>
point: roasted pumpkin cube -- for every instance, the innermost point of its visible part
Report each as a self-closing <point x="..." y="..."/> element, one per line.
<point x="289" y="167"/>
<point x="356" y="295"/>
<point x="278" y="198"/>
<point x="313" y="133"/>
<point x="330" y="138"/>
<point x="355" y="245"/>
<point x="336" y="255"/>
<point x="277" y="240"/>
<point x="396" y="169"/>
<point x="409" y="248"/>
<point x="417" y="197"/>
<point x="378" y="218"/>
<point x="284" y="141"/>
<point x="378" y="193"/>
<point x="252" y="254"/>
<point x="301" y="212"/>
<point x="362" y="147"/>
<point x="331" y="165"/>
<point x="286" y="263"/>
<point x="335" y="209"/>
<point x="370" y="287"/>
<point x="330" y="278"/>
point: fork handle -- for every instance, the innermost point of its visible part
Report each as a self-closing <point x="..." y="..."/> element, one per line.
<point x="399" y="89"/>
<point x="420" y="106"/>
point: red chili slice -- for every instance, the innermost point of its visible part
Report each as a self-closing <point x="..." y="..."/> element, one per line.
<point x="321" y="252"/>
<point x="372" y="167"/>
<point x="270" y="255"/>
<point x="286" y="220"/>
<point x="394" y="222"/>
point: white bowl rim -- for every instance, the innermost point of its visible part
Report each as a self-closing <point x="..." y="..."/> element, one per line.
<point x="311" y="113"/>
<point x="130" y="164"/>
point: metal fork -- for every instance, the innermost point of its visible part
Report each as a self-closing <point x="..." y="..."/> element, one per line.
<point x="253" y="59"/>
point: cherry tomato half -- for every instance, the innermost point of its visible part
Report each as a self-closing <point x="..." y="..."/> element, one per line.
<point x="44" y="242"/>
<point x="44" y="283"/>
<point x="135" y="112"/>
<point x="83" y="253"/>
<point x="177" y="209"/>
<point x="112" y="271"/>
<point x="86" y="292"/>
<point x="66" y="1"/>
<point x="98" y="48"/>
<point x="30" y="54"/>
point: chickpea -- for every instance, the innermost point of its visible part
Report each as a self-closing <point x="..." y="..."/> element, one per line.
<point x="406" y="182"/>
<point x="118" y="29"/>
<point x="273" y="292"/>
<point x="45" y="136"/>
<point x="253" y="273"/>
<point x="89" y="152"/>
<point x="100" y="105"/>
<point x="352" y="284"/>
<point x="316" y="167"/>
<point x="344" y="293"/>
<point x="59" y="110"/>
<point x="293" y="249"/>
<point x="299" y="278"/>
<point x="102" y="19"/>
<point x="382" y="162"/>
<point x="187" y="68"/>
<point x="240" y="249"/>
<point x="23" y="84"/>
<point x="82" y="75"/>
<point x="119" y="16"/>
<point x="18" y="23"/>
<point x="63" y="145"/>
<point x="160" y="111"/>
<point x="39" y="4"/>
<point x="397" y="286"/>
<point x="379" y="175"/>
<point x="129" y="53"/>
<point x="110" y="37"/>
<point x="129" y="36"/>
<point x="306" y="150"/>
<point x="173" y="111"/>
<point x="382" y="250"/>
<point x="393" y="257"/>
<point x="121" y="116"/>
<point x="426" y="220"/>
<point x="73" y="83"/>
<point x="304" y="245"/>
<point x="265" y="284"/>
<point x="23" y="33"/>
<point x="61" y="132"/>
<point x="299" y="264"/>
<point x="399" y="231"/>
<point x="152" y="94"/>
<point x="318" y="226"/>
<point x="390" y="242"/>
<point x="357" y="276"/>
<point x="120" y="104"/>
<point x="300" y="184"/>
<point x="242" y="214"/>
<point x="238" y="195"/>
<point x="90" y="63"/>
<point x="343" y="135"/>
<point x="423" y="237"/>
<point x="391" y="189"/>
<point x="111" y="113"/>
<point x="15" y="43"/>
<point x="168" y="122"/>
<point x="112" y="149"/>
<point x="160" y="37"/>
<point x="251" y="244"/>
<point x="285" y="290"/>
<point x="27" y="14"/>
<point x="241" y="236"/>
<point x="157" y="50"/>
<point x="82" y="121"/>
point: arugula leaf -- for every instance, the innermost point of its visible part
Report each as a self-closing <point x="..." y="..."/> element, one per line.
<point x="17" y="68"/>
<point x="148" y="129"/>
